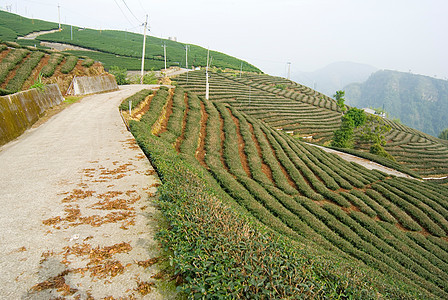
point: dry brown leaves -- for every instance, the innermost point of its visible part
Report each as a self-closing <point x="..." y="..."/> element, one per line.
<point x="100" y="263"/>
<point x="77" y="194"/>
<point x="149" y="262"/>
<point x="73" y="218"/>
<point x="144" y="288"/>
<point x="56" y="282"/>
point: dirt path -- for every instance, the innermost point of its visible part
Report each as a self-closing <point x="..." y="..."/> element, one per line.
<point x="77" y="217"/>
<point x="364" y="162"/>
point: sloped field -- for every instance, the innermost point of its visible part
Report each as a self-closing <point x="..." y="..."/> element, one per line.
<point x="301" y="111"/>
<point x="396" y="226"/>
<point x="21" y="67"/>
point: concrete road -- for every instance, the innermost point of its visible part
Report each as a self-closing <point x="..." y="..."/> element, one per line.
<point x="364" y="162"/>
<point x="77" y="218"/>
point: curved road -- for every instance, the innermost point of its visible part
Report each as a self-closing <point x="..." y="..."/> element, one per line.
<point x="76" y="201"/>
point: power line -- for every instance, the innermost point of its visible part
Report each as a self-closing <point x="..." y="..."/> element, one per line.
<point x="144" y="10"/>
<point x="123" y="13"/>
<point x="131" y="12"/>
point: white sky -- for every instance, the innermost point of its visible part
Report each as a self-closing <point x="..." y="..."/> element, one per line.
<point x="399" y="35"/>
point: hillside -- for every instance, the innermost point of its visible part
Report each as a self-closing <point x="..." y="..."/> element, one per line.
<point x="420" y="102"/>
<point x="394" y="226"/>
<point x="119" y="48"/>
<point x="334" y="77"/>
<point x="303" y="112"/>
<point x="21" y="68"/>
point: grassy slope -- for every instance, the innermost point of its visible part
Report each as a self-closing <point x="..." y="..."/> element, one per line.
<point x="292" y="107"/>
<point x="217" y="239"/>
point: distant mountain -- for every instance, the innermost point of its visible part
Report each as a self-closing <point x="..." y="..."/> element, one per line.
<point x="334" y="76"/>
<point x="420" y="102"/>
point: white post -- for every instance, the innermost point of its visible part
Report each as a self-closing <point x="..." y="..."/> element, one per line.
<point x="164" y="53"/>
<point x="186" y="57"/>
<point x="130" y="108"/>
<point x="206" y="77"/>
<point x="144" y="46"/>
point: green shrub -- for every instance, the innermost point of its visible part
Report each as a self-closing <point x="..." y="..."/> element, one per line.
<point x="14" y="57"/>
<point x="24" y="71"/>
<point x="135" y="99"/>
<point x="246" y="260"/>
<point x="69" y="65"/>
<point x="120" y="74"/>
<point x="53" y="62"/>
<point x="88" y="62"/>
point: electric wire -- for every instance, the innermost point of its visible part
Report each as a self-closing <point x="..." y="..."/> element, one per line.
<point x="123" y="13"/>
<point x="131" y="11"/>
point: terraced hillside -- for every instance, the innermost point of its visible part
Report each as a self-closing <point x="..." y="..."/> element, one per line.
<point x="393" y="225"/>
<point x="113" y="47"/>
<point x="20" y="68"/>
<point x="303" y="112"/>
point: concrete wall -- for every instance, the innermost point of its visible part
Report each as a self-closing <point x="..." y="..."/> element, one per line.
<point x="21" y="110"/>
<point x="94" y="84"/>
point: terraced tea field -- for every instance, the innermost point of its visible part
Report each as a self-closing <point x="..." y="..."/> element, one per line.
<point x="394" y="225"/>
<point x="303" y="112"/>
<point x="20" y="67"/>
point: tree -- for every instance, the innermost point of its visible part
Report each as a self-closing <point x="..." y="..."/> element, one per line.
<point x="374" y="131"/>
<point x="343" y="137"/>
<point x="444" y="134"/>
<point x="357" y="115"/>
<point x="120" y="74"/>
<point x="340" y="101"/>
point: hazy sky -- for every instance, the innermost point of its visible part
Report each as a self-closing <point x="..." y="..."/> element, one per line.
<point x="399" y="35"/>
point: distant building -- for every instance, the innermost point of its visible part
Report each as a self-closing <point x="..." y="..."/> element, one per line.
<point x="373" y="112"/>
<point x="172" y="38"/>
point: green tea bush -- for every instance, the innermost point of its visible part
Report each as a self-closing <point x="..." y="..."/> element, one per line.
<point x="247" y="262"/>
<point x="88" y="62"/>
<point x="135" y="99"/>
<point x="53" y="62"/>
<point x="14" y="57"/>
<point x="69" y="65"/>
<point x="24" y="71"/>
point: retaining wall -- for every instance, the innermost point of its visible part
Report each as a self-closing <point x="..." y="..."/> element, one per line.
<point x="93" y="84"/>
<point x="21" y="110"/>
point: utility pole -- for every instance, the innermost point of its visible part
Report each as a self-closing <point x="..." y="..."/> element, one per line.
<point x="207" y="87"/>
<point x="59" y="16"/>
<point x="186" y="56"/>
<point x="71" y="32"/>
<point x="164" y="53"/>
<point x="289" y="70"/>
<point x="241" y="69"/>
<point x="144" y="46"/>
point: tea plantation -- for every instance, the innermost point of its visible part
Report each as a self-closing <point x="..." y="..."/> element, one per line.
<point x="303" y="112"/>
<point x="22" y="67"/>
<point x="256" y="213"/>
